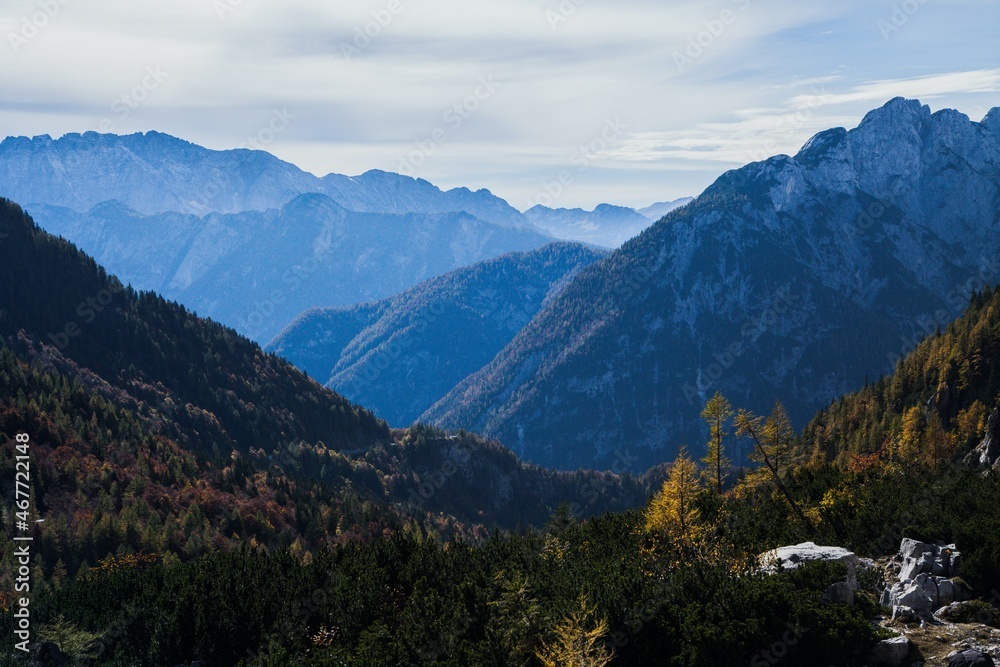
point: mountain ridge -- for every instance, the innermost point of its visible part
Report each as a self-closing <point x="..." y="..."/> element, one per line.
<point x="79" y="171"/>
<point x="858" y="235"/>
<point x="257" y="270"/>
<point x="400" y="355"/>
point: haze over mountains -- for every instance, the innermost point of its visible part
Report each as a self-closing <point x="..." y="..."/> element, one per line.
<point x="791" y="279"/>
<point x="607" y="226"/>
<point x="245" y="238"/>
<point x="401" y="355"/>
<point x="256" y="271"/>
<point x="154" y="172"/>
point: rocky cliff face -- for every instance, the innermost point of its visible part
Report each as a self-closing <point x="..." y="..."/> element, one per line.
<point x="791" y="279"/>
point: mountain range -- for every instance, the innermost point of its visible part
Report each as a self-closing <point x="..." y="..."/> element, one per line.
<point x="606" y="226"/>
<point x="791" y="279"/>
<point x="257" y="270"/>
<point x="154" y="172"/>
<point x="248" y="239"/>
<point x="401" y="355"/>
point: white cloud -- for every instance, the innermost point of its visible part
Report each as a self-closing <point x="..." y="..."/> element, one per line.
<point x="559" y="80"/>
<point x="753" y="134"/>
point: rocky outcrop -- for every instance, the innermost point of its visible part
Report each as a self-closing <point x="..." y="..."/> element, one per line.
<point x="927" y="580"/>
<point x="943" y="560"/>
<point x="792" y="557"/>
<point x="987" y="454"/>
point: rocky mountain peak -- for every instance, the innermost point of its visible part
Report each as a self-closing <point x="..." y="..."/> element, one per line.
<point x="897" y="112"/>
<point x="992" y="121"/>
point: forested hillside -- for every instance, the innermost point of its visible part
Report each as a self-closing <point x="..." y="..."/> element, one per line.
<point x="400" y="355"/>
<point x="161" y="432"/>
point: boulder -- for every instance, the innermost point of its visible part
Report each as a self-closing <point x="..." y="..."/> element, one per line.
<point x="960" y="611"/>
<point x="909" y="594"/>
<point x="941" y="560"/>
<point x="840" y="593"/>
<point x="791" y="557"/>
<point x="892" y="651"/>
<point x="947" y="592"/>
<point x="922" y="596"/>
<point x="929" y="583"/>
<point x="970" y="658"/>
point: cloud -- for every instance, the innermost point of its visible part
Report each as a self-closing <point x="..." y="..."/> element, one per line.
<point x="564" y="67"/>
<point x="755" y="133"/>
<point x="922" y="87"/>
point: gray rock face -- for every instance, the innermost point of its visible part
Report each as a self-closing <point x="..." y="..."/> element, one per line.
<point x="987" y="454"/>
<point x="927" y="581"/>
<point x="841" y="592"/>
<point x="792" y="557"/>
<point x="970" y="658"/>
<point x="935" y="559"/>
<point x="760" y="287"/>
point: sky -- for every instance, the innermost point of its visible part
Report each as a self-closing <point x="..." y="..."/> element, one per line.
<point x="566" y="103"/>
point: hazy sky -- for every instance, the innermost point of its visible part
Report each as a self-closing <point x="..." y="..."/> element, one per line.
<point x="628" y="102"/>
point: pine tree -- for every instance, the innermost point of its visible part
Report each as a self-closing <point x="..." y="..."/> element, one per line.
<point x="717" y="413"/>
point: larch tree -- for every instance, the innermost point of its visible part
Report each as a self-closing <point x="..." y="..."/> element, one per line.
<point x="717" y="413"/>
<point x="580" y="640"/>
<point x="772" y="440"/>
<point x="672" y="511"/>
